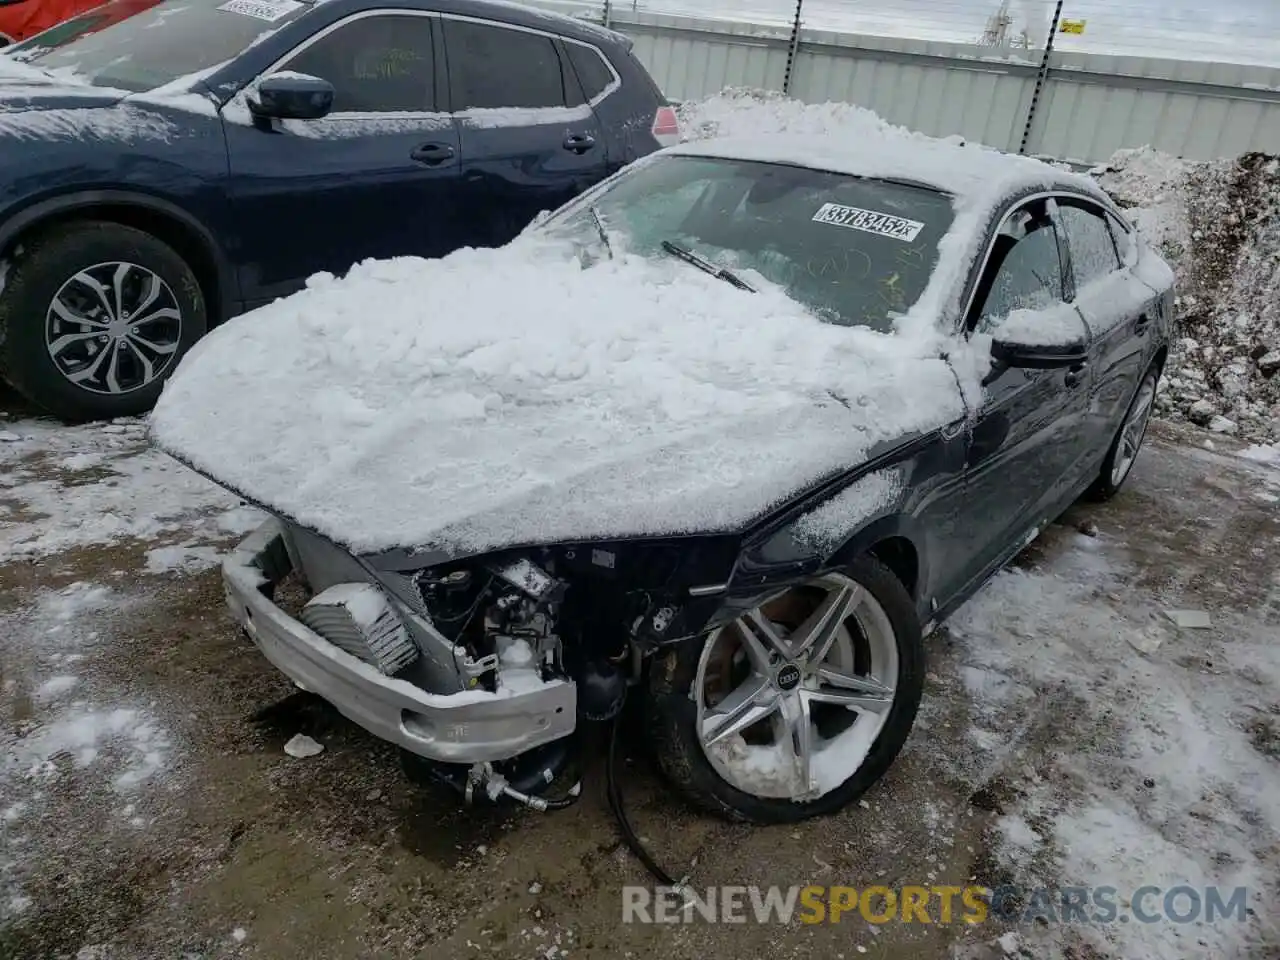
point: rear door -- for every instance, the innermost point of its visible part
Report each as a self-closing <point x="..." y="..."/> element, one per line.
<point x="377" y="177"/>
<point x="1119" y="310"/>
<point x="530" y="140"/>
<point x="1029" y="435"/>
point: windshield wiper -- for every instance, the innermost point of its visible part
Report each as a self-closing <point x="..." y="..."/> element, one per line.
<point x="706" y="266"/>
<point x="604" y="234"/>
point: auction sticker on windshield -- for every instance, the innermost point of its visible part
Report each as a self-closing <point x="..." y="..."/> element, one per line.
<point x="869" y="221"/>
<point x="268" y="10"/>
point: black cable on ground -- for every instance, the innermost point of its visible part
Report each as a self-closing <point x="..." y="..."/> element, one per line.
<point x="615" y="804"/>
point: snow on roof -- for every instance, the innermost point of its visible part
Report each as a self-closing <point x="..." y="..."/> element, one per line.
<point x="844" y="138"/>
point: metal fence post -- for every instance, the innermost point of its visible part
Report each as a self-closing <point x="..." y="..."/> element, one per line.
<point x="792" y="49"/>
<point x="607" y="19"/>
<point x="1041" y="76"/>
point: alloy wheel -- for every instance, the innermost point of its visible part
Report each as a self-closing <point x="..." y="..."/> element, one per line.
<point x="1132" y="431"/>
<point x="792" y="695"/>
<point x="113" y="328"/>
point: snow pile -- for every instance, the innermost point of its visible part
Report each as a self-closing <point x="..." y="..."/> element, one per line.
<point x="65" y="487"/>
<point x="664" y="401"/>
<point x="1218" y="223"/>
<point x="1151" y="768"/>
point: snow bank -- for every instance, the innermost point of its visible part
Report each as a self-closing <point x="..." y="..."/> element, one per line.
<point x="1218" y="223"/>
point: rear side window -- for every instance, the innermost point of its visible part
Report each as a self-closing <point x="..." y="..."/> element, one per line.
<point x="1093" y="252"/>
<point x="377" y="64"/>
<point x="594" y="76"/>
<point x="494" y="67"/>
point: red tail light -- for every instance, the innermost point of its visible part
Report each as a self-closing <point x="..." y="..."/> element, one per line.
<point x="666" y="126"/>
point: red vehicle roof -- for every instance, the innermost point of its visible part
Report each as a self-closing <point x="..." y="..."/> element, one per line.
<point x="22" y="19"/>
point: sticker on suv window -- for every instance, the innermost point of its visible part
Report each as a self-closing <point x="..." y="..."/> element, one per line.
<point x="268" y="10"/>
<point x="868" y="221"/>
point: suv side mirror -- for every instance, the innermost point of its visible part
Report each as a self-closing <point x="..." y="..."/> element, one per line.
<point x="291" y="96"/>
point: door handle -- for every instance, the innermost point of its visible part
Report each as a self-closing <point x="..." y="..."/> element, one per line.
<point x="579" y="142"/>
<point x="432" y="154"/>
<point x="1076" y="374"/>
<point x="1140" y="327"/>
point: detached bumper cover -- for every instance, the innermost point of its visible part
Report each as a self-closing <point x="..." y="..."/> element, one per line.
<point x="462" y="727"/>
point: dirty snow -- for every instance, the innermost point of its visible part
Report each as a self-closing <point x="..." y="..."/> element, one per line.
<point x="66" y="732"/>
<point x="64" y="487"/>
<point x="1218" y="223"/>
<point x="121" y="123"/>
<point x="1158" y="774"/>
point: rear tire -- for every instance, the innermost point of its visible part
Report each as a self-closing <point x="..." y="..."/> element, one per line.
<point x="680" y="722"/>
<point x="1128" y="440"/>
<point x="68" y="341"/>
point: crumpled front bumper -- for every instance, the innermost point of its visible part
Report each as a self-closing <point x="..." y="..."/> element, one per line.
<point x="463" y="727"/>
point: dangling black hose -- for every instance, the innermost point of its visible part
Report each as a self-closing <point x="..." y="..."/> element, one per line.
<point x="615" y="804"/>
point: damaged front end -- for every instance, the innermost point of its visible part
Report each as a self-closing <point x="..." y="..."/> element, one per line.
<point x="481" y="667"/>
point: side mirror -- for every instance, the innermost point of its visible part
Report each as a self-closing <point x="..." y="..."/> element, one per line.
<point x="291" y="96"/>
<point x="1038" y="356"/>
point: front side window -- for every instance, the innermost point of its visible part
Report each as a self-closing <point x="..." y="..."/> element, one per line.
<point x="492" y="67"/>
<point x="379" y="64"/>
<point x="1024" y="271"/>
<point x="1093" y="252"/>
<point x="139" y="45"/>
<point x="855" y="251"/>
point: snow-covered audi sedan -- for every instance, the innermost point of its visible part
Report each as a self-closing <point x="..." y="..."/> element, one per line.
<point x="730" y="434"/>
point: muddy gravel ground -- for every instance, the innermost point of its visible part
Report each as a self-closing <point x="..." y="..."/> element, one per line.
<point x="1072" y="733"/>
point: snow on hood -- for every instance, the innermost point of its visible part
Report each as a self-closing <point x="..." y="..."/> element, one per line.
<point x="505" y="397"/>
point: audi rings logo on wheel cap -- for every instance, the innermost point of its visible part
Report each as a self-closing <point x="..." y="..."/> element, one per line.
<point x="788" y="677"/>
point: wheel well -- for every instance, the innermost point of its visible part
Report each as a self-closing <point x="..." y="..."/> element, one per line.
<point x="1161" y="356"/>
<point x="185" y="241"/>
<point x="899" y="555"/>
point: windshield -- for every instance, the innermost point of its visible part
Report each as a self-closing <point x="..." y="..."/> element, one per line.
<point x="139" y="45"/>
<point x="855" y="251"/>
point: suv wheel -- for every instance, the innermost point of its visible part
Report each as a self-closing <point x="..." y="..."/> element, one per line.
<point x="95" y="317"/>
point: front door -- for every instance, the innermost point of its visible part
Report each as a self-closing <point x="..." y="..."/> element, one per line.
<point x="1119" y="310"/>
<point x="377" y="177"/>
<point x="530" y="141"/>
<point x="1028" y="436"/>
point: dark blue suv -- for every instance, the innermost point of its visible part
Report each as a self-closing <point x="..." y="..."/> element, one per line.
<point x="166" y="165"/>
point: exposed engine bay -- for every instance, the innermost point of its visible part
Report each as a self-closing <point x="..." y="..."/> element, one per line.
<point x="576" y="621"/>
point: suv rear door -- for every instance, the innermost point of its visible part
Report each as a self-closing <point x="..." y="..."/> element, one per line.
<point x="530" y="141"/>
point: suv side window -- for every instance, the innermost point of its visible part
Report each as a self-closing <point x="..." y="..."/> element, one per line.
<point x="492" y="66"/>
<point x="378" y="64"/>
<point x="1024" y="271"/>
<point x="1093" y="251"/>
<point x="592" y="72"/>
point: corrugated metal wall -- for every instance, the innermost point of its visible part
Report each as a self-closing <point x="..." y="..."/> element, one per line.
<point x="1091" y="105"/>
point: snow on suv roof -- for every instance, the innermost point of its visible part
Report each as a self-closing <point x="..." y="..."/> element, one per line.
<point x="974" y="175"/>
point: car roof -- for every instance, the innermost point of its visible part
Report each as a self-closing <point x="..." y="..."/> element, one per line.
<point x="972" y="174"/>
<point x="534" y="17"/>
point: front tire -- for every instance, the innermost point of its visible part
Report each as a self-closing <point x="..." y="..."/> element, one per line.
<point x="94" y="317"/>
<point x="794" y="710"/>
